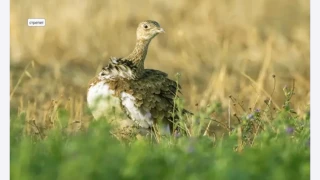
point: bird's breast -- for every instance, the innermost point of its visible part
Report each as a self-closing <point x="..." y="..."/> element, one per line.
<point x="101" y="100"/>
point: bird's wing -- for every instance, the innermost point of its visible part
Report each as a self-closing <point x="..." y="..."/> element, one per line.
<point x="154" y="92"/>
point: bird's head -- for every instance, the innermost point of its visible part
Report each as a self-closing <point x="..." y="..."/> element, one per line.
<point x="148" y="30"/>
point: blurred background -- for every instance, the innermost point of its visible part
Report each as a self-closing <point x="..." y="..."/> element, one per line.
<point x="220" y="48"/>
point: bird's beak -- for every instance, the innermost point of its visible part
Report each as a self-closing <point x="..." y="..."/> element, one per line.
<point x="160" y="30"/>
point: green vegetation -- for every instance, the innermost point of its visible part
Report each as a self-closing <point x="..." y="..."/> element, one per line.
<point x="257" y="148"/>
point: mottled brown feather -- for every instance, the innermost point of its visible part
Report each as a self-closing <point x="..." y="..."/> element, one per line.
<point x="154" y="92"/>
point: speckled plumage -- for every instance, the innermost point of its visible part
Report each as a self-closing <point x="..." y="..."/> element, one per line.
<point x="145" y="95"/>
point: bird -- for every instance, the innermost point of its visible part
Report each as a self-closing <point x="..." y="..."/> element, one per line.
<point x="146" y="96"/>
<point x="101" y="98"/>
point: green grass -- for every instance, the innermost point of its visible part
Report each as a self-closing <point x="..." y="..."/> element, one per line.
<point x="278" y="149"/>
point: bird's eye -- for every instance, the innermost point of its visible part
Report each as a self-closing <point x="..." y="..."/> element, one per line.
<point x="145" y="26"/>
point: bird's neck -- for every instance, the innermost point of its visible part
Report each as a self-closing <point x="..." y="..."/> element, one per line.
<point x="139" y="53"/>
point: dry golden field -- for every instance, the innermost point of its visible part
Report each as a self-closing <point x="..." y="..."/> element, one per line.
<point x="220" y="48"/>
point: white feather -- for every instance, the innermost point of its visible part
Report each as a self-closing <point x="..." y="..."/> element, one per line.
<point x="101" y="100"/>
<point x="142" y="119"/>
